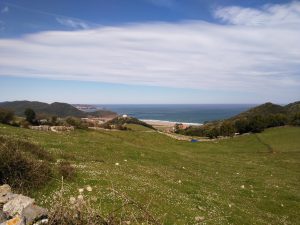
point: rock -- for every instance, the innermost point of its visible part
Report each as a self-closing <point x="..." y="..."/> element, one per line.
<point x="14" y="221"/>
<point x="43" y="221"/>
<point x="5" y="192"/>
<point x="33" y="213"/>
<point x="4" y="189"/>
<point x="16" y="205"/>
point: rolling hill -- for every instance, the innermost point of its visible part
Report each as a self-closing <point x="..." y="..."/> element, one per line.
<point x="57" y="108"/>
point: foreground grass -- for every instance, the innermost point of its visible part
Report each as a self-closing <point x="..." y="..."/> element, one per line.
<point x="254" y="179"/>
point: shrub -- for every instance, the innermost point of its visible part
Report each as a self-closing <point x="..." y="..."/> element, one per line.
<point x="6" y="116"/>
<point x="227" y="129"/>
<point x="66" y="170"/>
<point x="76" y="122"/>
<point x="295" y="120"/>
<point x="19" y="167"/>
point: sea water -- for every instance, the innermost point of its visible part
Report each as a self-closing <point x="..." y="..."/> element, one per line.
<point x="196" y="113"/>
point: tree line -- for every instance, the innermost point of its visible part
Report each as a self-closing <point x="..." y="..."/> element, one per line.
<point x="229" y="128"/>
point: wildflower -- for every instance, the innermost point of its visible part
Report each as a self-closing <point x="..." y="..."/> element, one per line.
<point x="183" y="167"/>
<point x="80" y="197"/>
<point x="179" y="181"/>
<point x="89" y="188"/>
<point x="80" y="190"/>
<point x="117" y="164"/>
<point x="94" y="199"/>
<point x="243" y="186"/>
<point x="72" y="200"/>
<point x="125" y="160"/>
<point x="199" y="218"/>
<point x="281" y="205"/>
<point x="229" y="205"/>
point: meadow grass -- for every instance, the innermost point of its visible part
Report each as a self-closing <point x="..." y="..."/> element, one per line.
<point x="252" y="179"/>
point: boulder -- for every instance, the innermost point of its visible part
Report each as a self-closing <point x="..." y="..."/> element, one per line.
<point x="16" y="205"/>
<point x="5" y="192"/>
<point x="4" y="189"/>
<point x="33" y="213"/>
<point x="17" y="220"/>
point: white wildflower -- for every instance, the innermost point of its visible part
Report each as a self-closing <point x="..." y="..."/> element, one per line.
<point x="80" y="190"/>
<point x="80" y="197"/>
<point x="125" y="160"/>
<point x="117" y="164"/>
<point x="179" y="181"/>
<point x="89" y="188"/>
<point x="72" y="200"/>
<point x="242" y="186"/>
<point x="199" y="218"/>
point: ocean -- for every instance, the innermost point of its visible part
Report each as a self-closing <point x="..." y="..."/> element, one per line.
<point x="196" y="113"/>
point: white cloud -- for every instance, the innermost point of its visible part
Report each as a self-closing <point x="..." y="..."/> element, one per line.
<point x="266" y="15"/>
<point x="72" y="23"/>
<point x="191" y="54"/>
<point x="5" y="9"/>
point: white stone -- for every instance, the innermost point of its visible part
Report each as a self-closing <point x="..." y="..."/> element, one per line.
<point x="16" y="205"/>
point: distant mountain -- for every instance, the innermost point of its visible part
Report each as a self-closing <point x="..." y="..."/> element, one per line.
<point x="57" y="108"/>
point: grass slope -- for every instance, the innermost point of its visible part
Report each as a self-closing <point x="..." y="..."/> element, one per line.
<point x="182" y="180"/>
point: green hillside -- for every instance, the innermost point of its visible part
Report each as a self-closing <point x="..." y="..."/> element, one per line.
<point x="264" y="109"/>
<point x="251" y="179"/>
<point x="57" y="108"/>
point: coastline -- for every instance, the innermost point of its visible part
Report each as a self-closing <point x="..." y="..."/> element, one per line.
<point x="168" y="123"/>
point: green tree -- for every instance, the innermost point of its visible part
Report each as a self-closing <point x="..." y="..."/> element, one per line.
<point x="30" y="115"/>
<point x="242" y="126"/>
<point x="257" y="124"/>
<point x="227" y="129"/>
<point x="295" y="120"/>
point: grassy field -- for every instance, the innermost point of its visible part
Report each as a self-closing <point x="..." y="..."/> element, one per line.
<point x="253" y="179"/>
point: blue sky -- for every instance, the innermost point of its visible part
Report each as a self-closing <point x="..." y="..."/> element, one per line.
<point x="150" y="51"/>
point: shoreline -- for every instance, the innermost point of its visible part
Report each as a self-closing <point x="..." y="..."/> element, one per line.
<point x="168" y="123"/>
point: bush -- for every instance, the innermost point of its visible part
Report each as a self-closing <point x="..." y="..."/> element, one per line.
<point x="295" y="120"/>
<point x="227" y="129"/>
<point x="76" y="122"/>
<point x="6" y="116"/>
<point x="19" y="167"/>
<point x="66" y="170"/>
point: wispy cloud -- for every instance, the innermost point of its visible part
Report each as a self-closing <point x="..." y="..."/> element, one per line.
<point x="191" y="54"/>
<point x="5" y="9"/>
<point x="72" y="23"/>
<point x="266" y="15"/>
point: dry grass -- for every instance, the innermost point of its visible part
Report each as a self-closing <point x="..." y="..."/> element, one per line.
<point x="22" y="164"/>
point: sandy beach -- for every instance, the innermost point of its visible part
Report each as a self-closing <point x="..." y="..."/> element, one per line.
<point x="162" y="124"/>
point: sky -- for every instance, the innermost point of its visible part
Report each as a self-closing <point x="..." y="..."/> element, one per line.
<point x="150" y="51"/>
